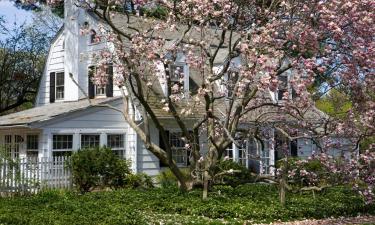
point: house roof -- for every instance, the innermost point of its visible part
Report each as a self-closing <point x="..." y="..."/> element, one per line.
<point x="130" y="24"/>
<point x="50" y="111"/>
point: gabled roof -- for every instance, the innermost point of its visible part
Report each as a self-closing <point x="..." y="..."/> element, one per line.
<point x="48" y="112"/>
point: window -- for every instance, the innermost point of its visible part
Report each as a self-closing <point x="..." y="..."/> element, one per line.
<point x="228" y="153"/>
<point x="90" y="140"/>
<point x="32" y="146"/>
<point x="283" y="87"/>
<point x="117" y="144"/>
<point x="60" y="85"/>
<point x="8" y="145"/>
<point x="265" y="159"/>
<point x="176" y="76"/>
<point x="93" y="37"/>
<point x="99" y="91"/>
<point x="62" y="145"/>
<point x="242" y="152"/>
<point x="179" y="152"/>
<point x="104" y="90"/>
<point x="232" y="78"/>
<point x="180" y="79"/>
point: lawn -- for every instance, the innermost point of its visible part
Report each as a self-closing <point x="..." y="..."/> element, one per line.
<point x="250" y="203"/>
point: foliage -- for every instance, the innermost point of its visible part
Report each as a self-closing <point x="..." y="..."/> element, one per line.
<point x="167" y="179"/>
<point x="23" y="50"/>
<point x="335" y="103"/>
<point x="139" y="180"/>
<point x="324" y="43"/>
<point x="233" y="172"/>
<point x="256" y="203"/>
<point x="323" y="169"/>
<point x="156" y="12"/>
<point x="98" y="167"/>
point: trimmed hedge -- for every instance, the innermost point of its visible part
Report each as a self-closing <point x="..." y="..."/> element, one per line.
<point x="253" y="202"/>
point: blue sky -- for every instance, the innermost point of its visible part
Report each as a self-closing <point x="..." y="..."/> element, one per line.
<point x="13" y="14"/>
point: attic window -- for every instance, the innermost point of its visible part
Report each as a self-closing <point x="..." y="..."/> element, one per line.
<point x="176" y="73"/>
<point x="93" y="37"/>
<point x="283" y="87"/>
<point x="231" y="81"/>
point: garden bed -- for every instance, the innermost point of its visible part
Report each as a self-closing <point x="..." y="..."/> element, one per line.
<point x="246" y="203"/>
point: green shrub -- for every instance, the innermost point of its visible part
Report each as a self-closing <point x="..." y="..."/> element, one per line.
<point x="235" y="178"/>
<point x="139" y="180"/>
<point x="257" y="203"/>
<point x="98" y="167"/>
<point x="167" y="179"/>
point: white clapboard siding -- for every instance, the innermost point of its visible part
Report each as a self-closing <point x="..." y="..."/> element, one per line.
<point x="55" y="63"/>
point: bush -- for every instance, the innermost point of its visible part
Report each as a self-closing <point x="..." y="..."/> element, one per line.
<point x="140" y="180"/>
<point x="235" y="178"/>
<point x="257" y="203"/>
<point x="98" y="167"/>
<point x="167" y="179"/>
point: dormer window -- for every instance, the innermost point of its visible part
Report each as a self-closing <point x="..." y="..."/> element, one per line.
<point x="93" y="37"/>
<point x="232" y="78"/>
<point x="97" y="90"/>
<point x="179" y="75"/>
<point x="283" y="87"/>
<point x="57" y="86"/>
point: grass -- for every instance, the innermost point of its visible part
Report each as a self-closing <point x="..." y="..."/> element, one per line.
<point x="251" y="203"/>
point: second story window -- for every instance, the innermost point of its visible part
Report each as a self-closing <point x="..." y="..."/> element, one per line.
<point x="57" y="86"/>
<point x="181" y="79"/>
<point x="94" y="38"/>
<point x="283" y="87"/>
<point x="98" y="90"/>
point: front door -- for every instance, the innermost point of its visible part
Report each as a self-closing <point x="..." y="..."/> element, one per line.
<point x="13" y="145"/>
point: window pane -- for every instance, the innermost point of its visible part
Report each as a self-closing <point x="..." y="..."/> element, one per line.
<point x="32" y="142"/>
<point x="176" y="72"/>
<point x="115" y="140"/>
<point x="62" y="142"/>
<point x="179" y="153"/>
<point x="59" y="79"/>
<point x="90" y="140"/>
<point x="61" y="153"/>
<point x="60" y="92"/>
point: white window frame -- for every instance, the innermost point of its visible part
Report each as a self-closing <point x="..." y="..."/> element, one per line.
<point x="99" y="92"/>
<point x="88" y="134"/>
<point x="120" y="151"/>
<point x="63" y="149"/>
<point x="286" y="89"/>
<point x="178" y="151"/>
<point x="59" y="86"/>
<point x="32" y="150"/>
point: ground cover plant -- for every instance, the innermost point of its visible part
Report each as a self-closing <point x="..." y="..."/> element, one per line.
<point x="250" y="203"/>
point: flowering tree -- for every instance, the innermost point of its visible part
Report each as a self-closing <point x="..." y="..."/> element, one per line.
<point x="237" y="51"/>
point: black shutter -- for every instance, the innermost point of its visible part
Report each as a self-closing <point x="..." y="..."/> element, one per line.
<point x="109" y="87"/>
<point x="162" y="146"/>
<point x="91" y="86"/>
<point x="52" y="78"/>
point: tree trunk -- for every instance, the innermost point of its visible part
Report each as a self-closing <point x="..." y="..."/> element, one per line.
<point x="283" y="182"/>
<point x="180" y="177"/>
<point x="206" y="178"/>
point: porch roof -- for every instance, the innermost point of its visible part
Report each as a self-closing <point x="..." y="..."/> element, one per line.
<point x="47" y="112"/>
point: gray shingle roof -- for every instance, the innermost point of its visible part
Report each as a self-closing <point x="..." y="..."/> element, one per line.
<point x="48" y="112"/>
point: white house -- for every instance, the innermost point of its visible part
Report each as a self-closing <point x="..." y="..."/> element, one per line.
<point x="63" y="121"/>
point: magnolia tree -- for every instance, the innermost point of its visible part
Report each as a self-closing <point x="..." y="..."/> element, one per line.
<point x="237" y="51"/>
